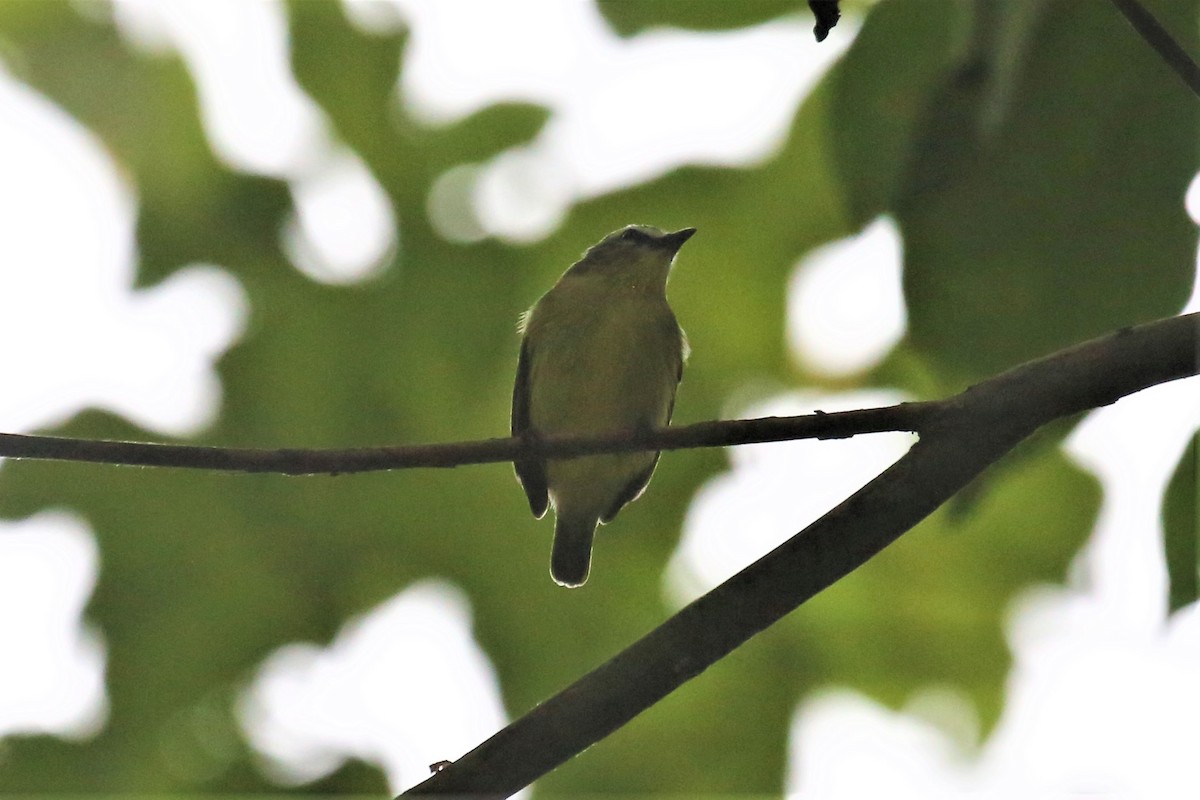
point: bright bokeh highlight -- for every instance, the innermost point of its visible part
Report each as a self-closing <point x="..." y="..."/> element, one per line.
<point x="342" y="230"/>
<point x="81" y="335"/>
<point x="53" y="665"/>
<point x="774" y="490"/>
<point x="259" y="120"/>
<point x="403" y="686"/>
<point x="845" y="301"/>
<point x="623" y="110"/>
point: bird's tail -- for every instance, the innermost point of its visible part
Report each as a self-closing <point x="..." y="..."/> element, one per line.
<point x="571" y="556"/>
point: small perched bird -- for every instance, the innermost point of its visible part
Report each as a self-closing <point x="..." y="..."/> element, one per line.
<point x="601" y="352"/>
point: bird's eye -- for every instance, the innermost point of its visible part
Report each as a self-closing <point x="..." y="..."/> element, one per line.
<point x="631" y="235"/>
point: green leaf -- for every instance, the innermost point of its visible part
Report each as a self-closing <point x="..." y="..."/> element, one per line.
<point x="1044" y="203"/>
<point x="628" y="18"/>
<point x="879" y="92"/>
<point x="1181" y="529"/>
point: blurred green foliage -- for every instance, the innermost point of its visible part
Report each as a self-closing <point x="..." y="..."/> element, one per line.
<point x="1050" y="170"/>
<point x="628" y="18"/>
<point x="1181" y="529"/>
<point x="1035" y="155"/>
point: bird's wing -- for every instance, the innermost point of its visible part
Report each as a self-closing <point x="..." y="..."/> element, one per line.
<point x="685" y="350"/>
<point x="531" y="473"/>
<point x="639" y="482"/>
<point x="631" y="492"/>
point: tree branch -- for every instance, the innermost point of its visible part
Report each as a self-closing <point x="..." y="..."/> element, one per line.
<point x="970" y="432"/>
<point x="292" y="461"/>
<point x="1163" y="43"/>
<point x="960" y="437"/>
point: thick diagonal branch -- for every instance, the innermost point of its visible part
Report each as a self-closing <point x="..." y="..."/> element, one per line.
<point x="968" y="433"/>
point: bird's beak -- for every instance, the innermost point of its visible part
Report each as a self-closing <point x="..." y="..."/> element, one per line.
<point x="674" y="241"/>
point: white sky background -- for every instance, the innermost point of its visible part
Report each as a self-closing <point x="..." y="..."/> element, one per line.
<point x="1100" y="686"/>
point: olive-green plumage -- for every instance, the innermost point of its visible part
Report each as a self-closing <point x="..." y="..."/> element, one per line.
<point x="601" y="352"/>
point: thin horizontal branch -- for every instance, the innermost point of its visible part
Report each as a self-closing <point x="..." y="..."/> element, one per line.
<point x="970" y="432"/>
<point x="292" y="461"/>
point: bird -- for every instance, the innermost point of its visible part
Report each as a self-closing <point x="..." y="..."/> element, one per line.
<point x="601" y="352"/>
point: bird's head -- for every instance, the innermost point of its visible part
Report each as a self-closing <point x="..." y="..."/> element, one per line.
<point x="634" y="255"/>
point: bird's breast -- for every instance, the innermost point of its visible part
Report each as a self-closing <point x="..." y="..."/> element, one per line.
<point x="604" y="362"/>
